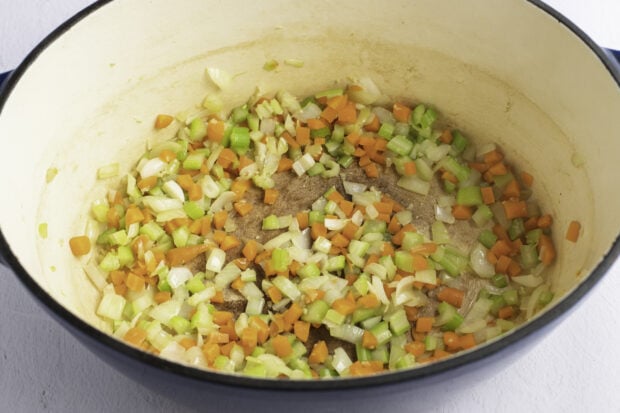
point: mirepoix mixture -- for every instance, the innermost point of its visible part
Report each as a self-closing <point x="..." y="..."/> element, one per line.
<point x="316" y="238"/>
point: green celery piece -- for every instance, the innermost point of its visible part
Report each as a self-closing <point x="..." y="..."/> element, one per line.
<point x="469" y="196"/>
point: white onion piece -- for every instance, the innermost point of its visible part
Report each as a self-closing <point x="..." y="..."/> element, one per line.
<point x="173" y="351"/>
<point x="178" y="276"/>
<point x="310" y="111"/>
<point x="353" y="187"/>
<point x="444" y="214"/>
<point x="384" y="115"/>
<point x="221" y="78"/>
<point x="528" y="280"/>
<point x="152" y="167"/>
<point x="173" y="190"/>
<point x="533" y="300"/>
<point x="479" y="263"/>
<point x="224" y="199"/>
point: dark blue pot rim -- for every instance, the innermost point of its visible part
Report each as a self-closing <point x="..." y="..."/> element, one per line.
<point x="81" y="327"/>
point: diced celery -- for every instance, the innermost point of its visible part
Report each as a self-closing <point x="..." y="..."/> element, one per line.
<point x="280" y="260"/>
<point x="399" y="324"/>
<point x="381" y="332"/>
<point x="197" y="129"/>
<point x="400" y="144"/>
<point x="309" y="270"/>
<point x="469" y="196"/>
<point x="315" y="312"/>
<point x="487" y="238"/>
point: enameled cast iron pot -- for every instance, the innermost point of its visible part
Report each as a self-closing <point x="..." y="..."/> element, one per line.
<point x="514" y="72"/>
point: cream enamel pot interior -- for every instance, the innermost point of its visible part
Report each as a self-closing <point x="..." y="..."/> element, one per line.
<point x="512" y="72"/>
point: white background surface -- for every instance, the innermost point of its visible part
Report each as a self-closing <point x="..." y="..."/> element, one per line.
<point x="574" y="368"/>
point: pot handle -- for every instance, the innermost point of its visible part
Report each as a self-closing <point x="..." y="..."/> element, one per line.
<point x="3" y="77"/>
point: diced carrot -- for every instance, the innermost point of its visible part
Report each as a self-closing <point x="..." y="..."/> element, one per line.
<point x="546" y="250"/>
<point x="424" y="324"/>
<point x="346" y="207"/>
<point x="344" y="306"/>
<point x="401" y="112"/>
<point x="262" y="328"/>
<point x="369" y="340"/>
<point x="502" y="264"/>
<point x="545" y="221"/>
<point x="227" y="158"/>
<point x="420" y="263"/>
<point x="353" y="138"/>
<point x="350" y="230"/>
<point x="315" y="124"/>
<point x="292" y="313"/>
<point x="318" y="230"/>
<point x="133" y="215"/>
<point x="329" y="114"/>
<point x="222" y="317"/>
<point x="243" y="207"/>
<point x="285" y="164"/>
<point x="451" y="341"/>
<point x="302" y="219"/>
<point x="239" y="187"/>
<point x="347" y="114"/>
<point x="488" y="197"/>
<point x="135" y="336"/>
<point x="244" y="161"/>
<point x="452" y="296"/>
<point x="183" y="255"/>
<point x="410" y="168"/>
<point x="446" y="137"/>
<point x="527" y="179"/>
<point x="134" y="282"/>
<point x="274" y="294"/>
<point x="364" y="160"/>
<point x="319" y="353"/>
<point x="237" y="284"/>
<point x="281" y="346"/>
<point x="374" y="125"/>
<point x="146" y="184"/>
<point x="162" y="296"/>
<point x="211" y="351"/>
<point x="337" y="101"/>
<point x="479" y="166"/>
<point x="371" y="170"/>
<point x="506" y="312"/>
<point x="80" y="245"/>
<point x="467" y="341"/>
<point x="462" y="212"/>
<point x="215" y="130"/>
<point x="185" y="181"/>
<point x="118" y="277"/>
<point x="493" y="157"/>
<point x="368" y="301"/>
<point x="514" y="268"/>
<point x="515" y="209"/>
<point x="195" y="192"/>
<point x="219" y="219"/>
<point x="365" y="368"/>
<point x="229" y="242"/>
<point x="270" y="196"/>
<point x="249" y="338"/>
<point x="167" y="155"/>
<point x="499" y="168"/>
<point x="218" y="298"/>
<point x="301" y="330"/>
<point x="302" y="135"/>
<point x="162" y="121"/>
<point x="339" y="240"/>
<point x="512" y="190"/>
<point x="572" y="233"/>
<point x="416" y="348"/>
<point x="411" y="312"/>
